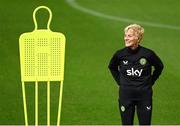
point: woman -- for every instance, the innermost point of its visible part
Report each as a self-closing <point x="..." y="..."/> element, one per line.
<point x="131" y="67"/>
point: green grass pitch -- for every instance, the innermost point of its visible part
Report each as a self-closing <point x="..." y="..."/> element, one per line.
<point x="90" y="94"/>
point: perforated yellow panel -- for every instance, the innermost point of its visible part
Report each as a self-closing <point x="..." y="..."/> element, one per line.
<point x="42" y="56"/>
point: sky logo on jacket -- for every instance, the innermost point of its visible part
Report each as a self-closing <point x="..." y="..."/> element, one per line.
<point x="134" y="72"/>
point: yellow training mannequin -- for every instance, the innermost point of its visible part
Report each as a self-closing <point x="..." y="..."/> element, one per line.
<point x="42" y="54"/>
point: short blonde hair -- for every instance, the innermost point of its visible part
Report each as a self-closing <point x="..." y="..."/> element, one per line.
<point x="139" y="30"/>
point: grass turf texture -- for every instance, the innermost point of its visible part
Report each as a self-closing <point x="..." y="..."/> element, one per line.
<point x="90" y="94"/>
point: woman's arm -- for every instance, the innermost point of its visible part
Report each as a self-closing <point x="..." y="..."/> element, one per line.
<point x="158" y="67"/>
<point x="113" y="66"/>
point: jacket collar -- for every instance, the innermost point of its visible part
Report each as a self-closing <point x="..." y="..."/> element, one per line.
<point x="133" y="50"/>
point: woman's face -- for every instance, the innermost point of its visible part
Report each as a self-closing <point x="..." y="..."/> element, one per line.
<point x="131" y="39"/>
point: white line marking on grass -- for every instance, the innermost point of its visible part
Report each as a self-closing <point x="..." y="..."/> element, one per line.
<point x="75" y="5"/>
